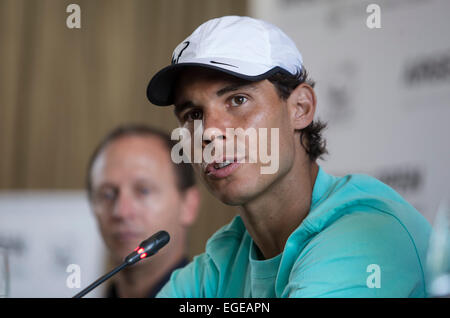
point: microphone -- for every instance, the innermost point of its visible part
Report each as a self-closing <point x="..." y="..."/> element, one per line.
<point x="146" y="249"/>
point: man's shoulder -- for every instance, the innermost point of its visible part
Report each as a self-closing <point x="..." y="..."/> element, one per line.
<point x="362" y="208"/>
<point x="344" y="253"/>
<point x="368" y="198"/>
<point x="363" y="189"/>
<point x="363" y="219"/>
<point x="356" y="226"/>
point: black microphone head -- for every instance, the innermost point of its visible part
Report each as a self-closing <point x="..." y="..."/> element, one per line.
<point x="155" y="242"/>
<point x="148" y="247"/>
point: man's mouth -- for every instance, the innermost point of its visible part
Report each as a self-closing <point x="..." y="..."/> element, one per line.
<point x="222" y="165"/>
<point x="125" y="236"/>
<point x="221" y="169"/>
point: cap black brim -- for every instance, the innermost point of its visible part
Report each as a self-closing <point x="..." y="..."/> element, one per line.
<point x="160" y="90"/>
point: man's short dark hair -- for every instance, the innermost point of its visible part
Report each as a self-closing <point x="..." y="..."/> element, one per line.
<point x="285" y="83"/>
<point x="183" y="171"/>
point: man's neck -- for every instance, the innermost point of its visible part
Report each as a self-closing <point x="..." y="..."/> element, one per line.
<point x="271" y="218"/>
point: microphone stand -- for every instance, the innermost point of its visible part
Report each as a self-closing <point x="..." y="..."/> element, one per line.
<point x="101" y="280"/>
<point x="146" y="249"/>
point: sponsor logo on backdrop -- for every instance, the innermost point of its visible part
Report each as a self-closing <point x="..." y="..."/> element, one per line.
<point x="13" y="243"/>
<point x="403" y="179"/>
<point x="428" y="69"/>
<point x="339" y="92"/>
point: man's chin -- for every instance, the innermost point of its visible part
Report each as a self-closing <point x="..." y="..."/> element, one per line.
<point x="241" y="192"/>
<point x="233" y="195"/>
<point x="238" y="189"/>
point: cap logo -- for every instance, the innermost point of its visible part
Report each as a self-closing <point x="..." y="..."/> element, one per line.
<point x="175" y="60"/>
<point x="214" y="62"/>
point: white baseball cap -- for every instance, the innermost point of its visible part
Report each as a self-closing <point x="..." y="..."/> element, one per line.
<point x="244" y="47"/>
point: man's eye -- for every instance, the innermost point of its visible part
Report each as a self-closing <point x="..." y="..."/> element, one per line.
<point x="193" y="115"/>
<point x="238" y="100"/>
<point x="143" y="190"/>
<point x="106" y="196"/>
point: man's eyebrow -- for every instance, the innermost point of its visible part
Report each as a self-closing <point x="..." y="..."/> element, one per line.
<point x="234" y="87"/>
<point x="179" y="107"/>
<point x="182" y="106"/>
<point x="105" y="185"/>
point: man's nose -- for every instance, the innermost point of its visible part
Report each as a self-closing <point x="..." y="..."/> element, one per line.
<point x="124" y="207"/>
<point x="214" y="127"/>
<point x="212" y="135"/>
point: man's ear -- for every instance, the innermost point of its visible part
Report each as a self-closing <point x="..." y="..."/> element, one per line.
<point x="191" y="203"/>
<point x="302" y="106"/>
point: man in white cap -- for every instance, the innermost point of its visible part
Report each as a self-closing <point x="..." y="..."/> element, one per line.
<point x="300" y="232"/>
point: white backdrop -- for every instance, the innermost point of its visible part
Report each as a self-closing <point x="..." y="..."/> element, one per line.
<point x="385" y="92"/>
<point x="44" y="233"/>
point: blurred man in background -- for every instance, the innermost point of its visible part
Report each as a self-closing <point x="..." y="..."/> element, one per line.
<point x="135" y="190"/>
